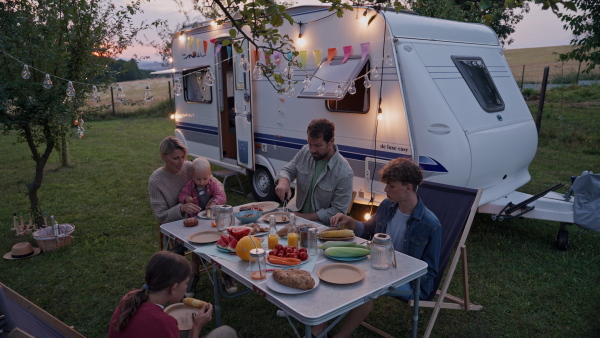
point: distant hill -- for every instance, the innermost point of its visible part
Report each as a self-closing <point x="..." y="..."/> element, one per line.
<point x="150" y="65"/>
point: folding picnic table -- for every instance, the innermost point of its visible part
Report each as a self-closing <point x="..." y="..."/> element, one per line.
<point x="325" y="302"/>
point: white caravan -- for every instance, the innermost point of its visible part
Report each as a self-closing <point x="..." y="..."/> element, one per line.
<point x="445" y="95"/>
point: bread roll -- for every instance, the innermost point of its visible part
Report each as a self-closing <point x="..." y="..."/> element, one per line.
<point x="294" y="278"/>
<point x="190" y="222"/>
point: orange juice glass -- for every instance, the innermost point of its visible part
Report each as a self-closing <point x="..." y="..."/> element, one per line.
<point x="273" y="241"/>
<point x="292" y="239"/>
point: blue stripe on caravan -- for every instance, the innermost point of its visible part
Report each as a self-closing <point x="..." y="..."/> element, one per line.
<point x="198" y="128"/>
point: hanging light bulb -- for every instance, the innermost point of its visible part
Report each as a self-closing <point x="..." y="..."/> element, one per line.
<point x="172" y="116"/>
<point x="338" y="92"/>
<point x="120" y="94"/>
<point x="388" y="60"/>
<point x="47" y="82"/>
<point x="290" y="91"/>
<point x="375" y="73"/>
<point x="289" y="70"/>
<point x="148" y="94"/>
<point x="25" y="72"/>
<point x="177" y="89"/>
<point x="352" y="89"/>
<point x="244" y="64"/>
<point x="321" y="89"/>
<point x="209" y="78"/>
<point x="95" y="94"/>
<point x="379" y="114"/>
<point x="306" y="83"/>
<point x="70" y="89"/>
<point x="367" y="216"/>
<point x="257" y="74"/>
<point x="367" y="82"/>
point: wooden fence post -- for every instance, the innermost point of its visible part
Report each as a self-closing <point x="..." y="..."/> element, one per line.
<point x="170" y="99"/>
<point x="522" y="77"/>
<point x="538" y="120"/>
<point x="112" y="100"/>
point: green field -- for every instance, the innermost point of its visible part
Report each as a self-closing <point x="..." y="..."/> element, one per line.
<point x="526" y="286"/>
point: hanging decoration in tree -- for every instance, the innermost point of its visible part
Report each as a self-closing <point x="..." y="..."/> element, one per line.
<point x="120" y="94"/>
<point x="177" y="89"/>
<point x="95" y="94"/>
<point x="25" y="72"/>
<point x="47" y="82"/>
<point x="244" y="64"/>
<point x="80" y="128"/>
<point x="306" y="83"/>
<point x="70" y="89"/>
<point x="148" y="94"/>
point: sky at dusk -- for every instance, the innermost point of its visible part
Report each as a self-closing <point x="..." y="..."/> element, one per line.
<point x="539" y="28"/>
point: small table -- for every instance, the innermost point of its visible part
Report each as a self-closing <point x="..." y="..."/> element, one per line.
<point x="327" y="301"/>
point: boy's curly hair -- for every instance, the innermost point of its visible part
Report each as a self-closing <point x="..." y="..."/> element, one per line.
<point x="403" y="171"/>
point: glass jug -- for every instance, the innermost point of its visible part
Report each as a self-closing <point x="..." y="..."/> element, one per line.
<point x="381" y="251"/>
<point x="224" y="217"/>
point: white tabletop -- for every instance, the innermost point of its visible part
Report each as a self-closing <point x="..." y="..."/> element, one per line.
<point x="326" y="301"/>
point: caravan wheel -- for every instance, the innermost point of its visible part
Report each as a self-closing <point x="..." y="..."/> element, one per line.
<point x="263" y="186"/>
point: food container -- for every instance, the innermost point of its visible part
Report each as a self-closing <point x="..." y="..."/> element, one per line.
<point x="224" y="217"/>
<point x="381" y="252"/>
<point x="248" y="216"/>
<point x="258" y="264"/>
<point x="48" y="242"/>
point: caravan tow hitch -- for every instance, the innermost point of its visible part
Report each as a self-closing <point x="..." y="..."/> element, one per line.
<point x="506" y="212"/>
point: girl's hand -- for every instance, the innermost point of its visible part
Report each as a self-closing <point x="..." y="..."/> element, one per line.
<point x="203" y="317"/>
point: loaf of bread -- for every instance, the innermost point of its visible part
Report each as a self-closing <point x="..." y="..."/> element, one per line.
<point x="294" y="278"/>
<point x="190" y="222"/>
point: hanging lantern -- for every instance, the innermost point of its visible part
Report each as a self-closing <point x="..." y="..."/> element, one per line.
<point x="95" y="94"/>
<point x="148" y="94"/>
<point x="306" y="83"/>
<point x="388" y="60"/>
<point x="352" y="89"/>
<point x="375" y="73"/>
<point x="47" y="82"/>
<point x="209" y="78"/>
<point x="177" y="89"/>
<point x="321" y="90"/>
<point x="120" y="94"/>
<point x="25" y="72"/>
<point x="244" y="64"/>
<point x="338" y="92"/>
<point x="70" y="89"/>
<point x="290" y="91"/>
<point x="257" y="74"/>
<point x="289" y="70"/>
<point x="367" y="82"/>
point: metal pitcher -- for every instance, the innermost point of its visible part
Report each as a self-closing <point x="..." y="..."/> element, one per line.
<point x="224" y="217"/>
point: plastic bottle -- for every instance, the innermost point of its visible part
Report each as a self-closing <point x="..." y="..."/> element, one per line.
<point x="55" y="227"/>
<point x="273" y="237"/>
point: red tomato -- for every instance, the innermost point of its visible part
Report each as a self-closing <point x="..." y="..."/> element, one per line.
<point x="290" y="249"/>
<point x="302" y="250"/>
<point x="292" y="255"/>
<point x="303" y="255"/>
<point x="278" y="246"/>
<point x="280" y="254"/>
<point x="273" y="252"/>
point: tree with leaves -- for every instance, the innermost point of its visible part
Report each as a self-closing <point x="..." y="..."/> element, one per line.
<point x="586" y="30"/>
<point x="45" y="45"/>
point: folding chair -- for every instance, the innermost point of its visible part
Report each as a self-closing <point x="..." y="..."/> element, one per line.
<point x="25" y="319"/>
<point x="455" y="207"/>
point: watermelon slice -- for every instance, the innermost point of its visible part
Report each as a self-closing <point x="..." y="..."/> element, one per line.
<point x="226" y="239"/>
<point x="239" y="232"/>
<point x="222" y="244"/>
<point x="232" y="245"/>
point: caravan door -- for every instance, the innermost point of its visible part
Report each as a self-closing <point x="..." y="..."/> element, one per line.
<point x="243" y="108"/>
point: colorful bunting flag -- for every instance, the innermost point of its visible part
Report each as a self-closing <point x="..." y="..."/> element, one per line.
<point x="364" y="47"/>
<point x="277" y="57"/>
<point x="331" y="54"/>
<point x="228" y="51"/>
<point x="303" y="58"/>
<point x="218" y="48"/>
<point x="256" y="55"/>
<point x="317" y="55"/>
<point x="347" y="53"/>
<point x="205" y="46"/>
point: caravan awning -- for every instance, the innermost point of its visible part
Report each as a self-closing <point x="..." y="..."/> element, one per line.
<point x="166" y="71"/>
<point x="335" y="71"/>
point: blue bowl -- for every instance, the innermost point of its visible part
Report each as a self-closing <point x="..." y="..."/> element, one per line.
<point x="248" y="216"/>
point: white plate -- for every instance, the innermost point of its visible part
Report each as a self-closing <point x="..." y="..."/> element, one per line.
<point x="266" y="206"/>
<point x="340" y="273"/>
<point x="275" y="286"/>
<point x="280" y="217"/>
<point x="183" y="314"/>
<point x="203" y="237"/>
<point x="202" y="214"/>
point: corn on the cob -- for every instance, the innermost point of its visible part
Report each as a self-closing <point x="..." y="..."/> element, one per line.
<point x="193" y="302"/>
<point x="330" y="244"/>
<point x="337" y="233"/>
<point x="347" y="252"/>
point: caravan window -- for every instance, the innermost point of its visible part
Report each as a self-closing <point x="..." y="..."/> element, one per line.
<point x="476" y="74"/>
<point x="357" y="103"/>
<point x="194" y="89"/>
<point x="337" y="72"/>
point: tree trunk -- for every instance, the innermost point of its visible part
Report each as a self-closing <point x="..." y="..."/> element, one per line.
<point x="64" y="152"/>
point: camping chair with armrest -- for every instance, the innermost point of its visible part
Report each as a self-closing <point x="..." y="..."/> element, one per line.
<point x="22" y="318"/>
<point x="455" y="207"/>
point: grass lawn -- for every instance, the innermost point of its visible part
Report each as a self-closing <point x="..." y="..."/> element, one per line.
<point x="527" y="287"/>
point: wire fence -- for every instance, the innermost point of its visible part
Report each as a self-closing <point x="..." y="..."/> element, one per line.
<point x="530" y="77"/>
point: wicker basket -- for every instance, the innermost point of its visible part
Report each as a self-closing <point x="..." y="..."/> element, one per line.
<point x="46" y="240"/>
